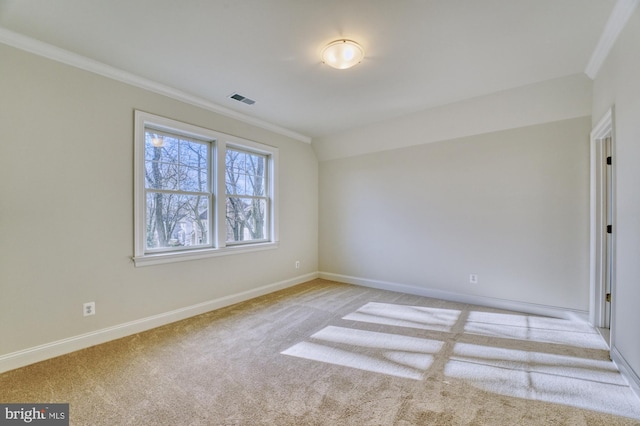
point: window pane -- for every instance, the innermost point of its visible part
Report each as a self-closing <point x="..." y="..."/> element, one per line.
<point x="246" y="219"/>
<point x="160" y="147"/>
<point x="193" y="154"/>
<point x="245" y="173"/>
<point x="176" y="220"/>
<point x="161" y="175"/>
<point x="255" y="166"/>
<point x="193" y="166"/>
<point x="194" y="180"/>
<point x="234" y="161"/>
<point x="174" y="163"/>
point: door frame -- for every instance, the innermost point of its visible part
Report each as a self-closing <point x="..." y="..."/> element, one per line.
<point x="598" y="213"/>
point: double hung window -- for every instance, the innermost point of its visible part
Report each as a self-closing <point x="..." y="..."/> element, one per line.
<point x="178" y="196"/>
<point x="200" y="193"/>
<point x="247" y="202"/>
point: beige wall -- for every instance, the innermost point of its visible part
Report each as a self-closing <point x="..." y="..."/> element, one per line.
<point x="66" y="207"/>
<point x="618" y="85"/>
<point x="510" y="206"/>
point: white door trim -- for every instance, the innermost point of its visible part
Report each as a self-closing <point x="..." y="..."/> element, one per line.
<point x="598" y="238"/>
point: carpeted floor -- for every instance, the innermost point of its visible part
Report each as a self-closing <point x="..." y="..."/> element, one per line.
<point x="324" y="353"/>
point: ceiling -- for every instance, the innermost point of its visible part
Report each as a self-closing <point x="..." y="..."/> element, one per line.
<point x="419" y="53"/>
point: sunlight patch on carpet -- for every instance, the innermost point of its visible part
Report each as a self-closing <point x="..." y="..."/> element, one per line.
<point x="419" y="317"/>
<point x="385" y="353"/>
<point x="560" y="379"/>
<point x="538" y="329"/>
<point x="522" y="320"/>
<point x="517" y="355"/>
<point x="372" y="339"/>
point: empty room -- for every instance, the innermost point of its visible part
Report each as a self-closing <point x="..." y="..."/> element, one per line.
<point x="336" y="212"/>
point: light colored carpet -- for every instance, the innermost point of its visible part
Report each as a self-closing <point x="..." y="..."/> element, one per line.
<point x="324" y="353"/>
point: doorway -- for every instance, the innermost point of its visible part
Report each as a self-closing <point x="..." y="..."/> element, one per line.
<point x="607" y="188"/>
<point x="602" y="289"/>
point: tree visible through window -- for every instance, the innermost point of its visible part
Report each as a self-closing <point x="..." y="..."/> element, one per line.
<point x="246" y="197"/>
<point x="199" y="191"/>
<point x="178" y="192"/>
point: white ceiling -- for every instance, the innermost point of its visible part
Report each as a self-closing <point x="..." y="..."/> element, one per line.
<point x="419" y="53"/>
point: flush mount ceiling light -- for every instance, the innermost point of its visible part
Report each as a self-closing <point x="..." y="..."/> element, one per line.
<point x="342" y="54"/>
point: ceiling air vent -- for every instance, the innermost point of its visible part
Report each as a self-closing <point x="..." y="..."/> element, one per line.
<point x="244" y="99"/>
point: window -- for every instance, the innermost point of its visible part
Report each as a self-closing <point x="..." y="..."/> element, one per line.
<point x="246" y="197"/>
<point x="200" y="193"/>
<point x="177" y="191"/>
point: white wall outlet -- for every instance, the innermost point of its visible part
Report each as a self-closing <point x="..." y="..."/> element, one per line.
<point x="89" y="308"/>
<point x="473" y="279"/>
<point x="297" y="264"/>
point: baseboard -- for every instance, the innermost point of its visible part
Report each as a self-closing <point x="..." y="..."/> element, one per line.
<point x="39" y="353"/>
<point x="626" y="370"/>
<point x="491" y="302"/>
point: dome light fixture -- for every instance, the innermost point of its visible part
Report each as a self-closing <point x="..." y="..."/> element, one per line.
<point x="342" y="54"/>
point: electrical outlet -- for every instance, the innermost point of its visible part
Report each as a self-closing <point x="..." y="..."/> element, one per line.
<point x="297" y="264"/>
<point x="473" y="279"/>
<point x="89" y="308"/>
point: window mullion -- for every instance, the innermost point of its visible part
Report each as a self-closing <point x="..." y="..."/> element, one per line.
<point x="221" y="199"/>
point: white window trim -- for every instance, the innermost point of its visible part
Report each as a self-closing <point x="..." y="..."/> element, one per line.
<point x="218" y="223"/>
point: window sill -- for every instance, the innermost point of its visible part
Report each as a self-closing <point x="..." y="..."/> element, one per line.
<point x="182" y="256"/>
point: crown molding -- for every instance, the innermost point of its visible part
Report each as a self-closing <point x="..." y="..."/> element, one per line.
<point x="46" y="50"/>
<point x="622" y="11"/>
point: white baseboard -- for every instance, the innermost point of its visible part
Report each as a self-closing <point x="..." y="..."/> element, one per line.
<point x="626" y="370"/>
<point x="491" y="302"/>
<point x="39" y="353"/>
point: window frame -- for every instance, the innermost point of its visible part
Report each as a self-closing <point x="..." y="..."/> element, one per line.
<point x="218" y="246"/>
